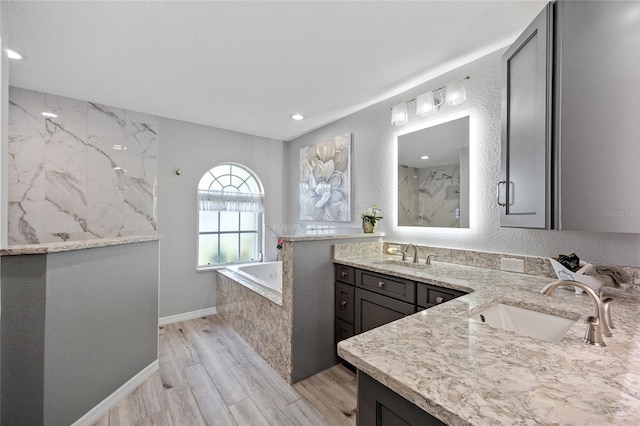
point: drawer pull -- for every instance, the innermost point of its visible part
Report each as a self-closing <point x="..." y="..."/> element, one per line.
<point x="344" y="274"/>
<point x="439" y="299"/>
<point x="380" y="284"/>
<point x="343" y="304"/>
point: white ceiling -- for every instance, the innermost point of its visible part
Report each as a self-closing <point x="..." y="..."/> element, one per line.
<point x="247" y="66"/>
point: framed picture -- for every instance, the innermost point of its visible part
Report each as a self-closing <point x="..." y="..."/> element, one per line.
<point x="325" y="180"/>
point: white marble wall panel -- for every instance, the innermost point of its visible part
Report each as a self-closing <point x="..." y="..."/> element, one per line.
<point x="66" y="170"/>
<point x="141" y="160"/>
<point x="106" y="157"/>
<point x="68" y="175"/>
<point x="408" y="180"/>
<point x="26" y="163"/>
<point x="437" y="198"/>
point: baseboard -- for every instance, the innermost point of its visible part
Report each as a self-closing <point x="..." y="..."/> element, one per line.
<point x="112" y="400"/>
<point x="186" y="316"/>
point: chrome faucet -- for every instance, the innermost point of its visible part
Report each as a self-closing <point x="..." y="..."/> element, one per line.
<point x="415" y="252"/>
<point x="596" y="325"/>
<point x="429" y="258"/>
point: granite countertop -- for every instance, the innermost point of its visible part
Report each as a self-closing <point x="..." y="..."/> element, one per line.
<point x="468" y="373"/>
<point x="73" y="245"/>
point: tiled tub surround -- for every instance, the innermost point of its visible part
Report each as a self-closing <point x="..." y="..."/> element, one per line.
<point x="88" y="173"/>
<point x="465" y="372"/>
<point x="307" y="299"/>
<point x="262" y="322"/>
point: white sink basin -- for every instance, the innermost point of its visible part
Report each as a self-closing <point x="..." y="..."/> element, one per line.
<point x="540" y="325"/>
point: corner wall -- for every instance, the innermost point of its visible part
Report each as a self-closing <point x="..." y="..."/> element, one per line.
<point x="194" y="149"/>
<point x="373" y="173"/>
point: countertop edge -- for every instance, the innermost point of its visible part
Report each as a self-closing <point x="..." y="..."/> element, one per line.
<point x="74" y="245"/>
<point x="320" y="237"/>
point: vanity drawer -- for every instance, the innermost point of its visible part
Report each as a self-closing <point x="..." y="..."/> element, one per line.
<point x="430" y="295"/>
<point x="343" y="330"/>
<point x="346" y="274"/>
<point x="344" y="302"/>
<point x="389" y="286"/>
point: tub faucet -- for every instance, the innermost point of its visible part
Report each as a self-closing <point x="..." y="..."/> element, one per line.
<point x="596" y="325"/>
<point x="415" y="252"/>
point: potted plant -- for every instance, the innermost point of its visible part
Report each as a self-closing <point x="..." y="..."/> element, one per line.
<point x="370" y="218"/>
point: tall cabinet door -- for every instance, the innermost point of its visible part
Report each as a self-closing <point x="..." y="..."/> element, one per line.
<point x="598" y="71"/>
<point x="524" y="192"/>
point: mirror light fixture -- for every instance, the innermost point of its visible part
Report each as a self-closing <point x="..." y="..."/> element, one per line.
<point x="399" y="114"/>
<point x="452" y="94"/>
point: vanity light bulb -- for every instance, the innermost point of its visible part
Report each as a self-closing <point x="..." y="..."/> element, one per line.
<point x="425" y="104"/>
<point x="399" y="115"/>
<point x="456" y="93"/>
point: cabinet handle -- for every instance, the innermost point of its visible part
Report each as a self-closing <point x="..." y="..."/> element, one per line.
<point x="343" y="303"/>
<point x="439" y="299"/>
<point x="344" y="274"/>
<point x="380" y="284"/>
<point x="498" y="192"/>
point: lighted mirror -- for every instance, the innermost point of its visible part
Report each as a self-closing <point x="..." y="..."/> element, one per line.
<point x="433" y="176"/>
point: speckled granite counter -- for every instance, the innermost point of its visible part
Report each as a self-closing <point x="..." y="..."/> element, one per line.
<point x="466" y="372"/>
<point x="73" y="245"/>
<point x="327" y="236"/>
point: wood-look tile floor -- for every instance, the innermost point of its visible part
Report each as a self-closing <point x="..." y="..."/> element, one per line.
<point x="210" y="376"/>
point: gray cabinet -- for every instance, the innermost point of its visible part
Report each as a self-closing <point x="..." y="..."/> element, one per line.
<point x="524" y="192"/>
<point x="379" y="405"/>
<point x="598" y="111"/>
<point x="570" y="128"/>
<point x="373" y="310"/>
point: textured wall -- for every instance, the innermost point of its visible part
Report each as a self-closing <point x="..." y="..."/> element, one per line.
<point x="88" y="173"/>
<point x="374" y="170"/>
<point x="77" y="325"/>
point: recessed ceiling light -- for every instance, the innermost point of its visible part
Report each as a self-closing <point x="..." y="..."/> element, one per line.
<point x="297" y="117"/>
<point x="12" y="54"/>
<point x="424" y="157"/>
<point x="49" y="114"/>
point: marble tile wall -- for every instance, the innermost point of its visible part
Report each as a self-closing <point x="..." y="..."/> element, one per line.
<point x="429" y="196"/>
<point x="90" y="172"/>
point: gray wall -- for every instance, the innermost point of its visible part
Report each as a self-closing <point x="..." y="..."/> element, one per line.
<point x="195" y="149"/>
<point x="373" y="171"/>
<point x="312" y="346"/>
<point x="76" y="326"/>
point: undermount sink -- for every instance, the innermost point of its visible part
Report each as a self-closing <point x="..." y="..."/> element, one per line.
<point x="539" y="325"/>
<point x="404" y="263"/>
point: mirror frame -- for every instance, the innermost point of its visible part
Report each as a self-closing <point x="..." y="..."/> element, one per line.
<point x="434" y="120"/>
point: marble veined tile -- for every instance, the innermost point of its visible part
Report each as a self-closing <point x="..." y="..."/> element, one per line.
<point x="65" y="207"/>
<point x="105" y="220"/>
<point x="106" y="154"/>
<point x="140" y="206"/>
<point x="141" y="160"/>
<point x="26" y="145"/>
<point x="25" y="222"/>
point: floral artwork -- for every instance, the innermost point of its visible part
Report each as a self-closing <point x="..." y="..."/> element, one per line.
<point x="325" y="180"/>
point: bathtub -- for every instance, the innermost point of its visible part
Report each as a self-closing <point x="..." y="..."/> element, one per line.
<point x="265" y="278"/>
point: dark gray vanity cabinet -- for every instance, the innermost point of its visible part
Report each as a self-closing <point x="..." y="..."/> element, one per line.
<point x="570" y="128"/>
<point x="524" y="191"/>
<point x="379" y="405"/>
<point x="381" y="299"/>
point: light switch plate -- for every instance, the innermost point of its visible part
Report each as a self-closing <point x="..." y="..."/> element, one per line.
<point x="512" y="265"/>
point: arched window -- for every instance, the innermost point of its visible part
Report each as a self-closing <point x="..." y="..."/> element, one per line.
<point x="230" y="212"/>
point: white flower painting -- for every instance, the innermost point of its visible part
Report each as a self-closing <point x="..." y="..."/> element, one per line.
<point x="325" y="180"/>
